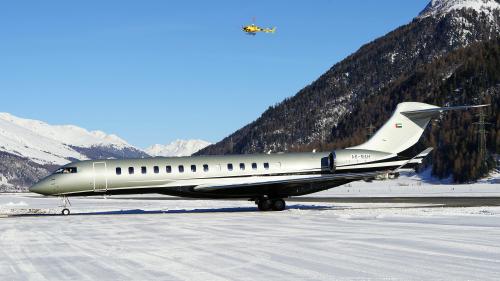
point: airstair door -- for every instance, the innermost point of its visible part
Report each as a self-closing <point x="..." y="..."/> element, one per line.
<point x="100" y="177"/>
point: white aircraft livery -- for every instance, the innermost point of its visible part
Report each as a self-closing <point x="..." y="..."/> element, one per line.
<point x="264" y="178"/>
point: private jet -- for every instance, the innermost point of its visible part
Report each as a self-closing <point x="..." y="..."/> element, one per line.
<point x="266" y="179"/>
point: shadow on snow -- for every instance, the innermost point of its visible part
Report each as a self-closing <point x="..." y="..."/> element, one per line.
<point x="183" y="211"/>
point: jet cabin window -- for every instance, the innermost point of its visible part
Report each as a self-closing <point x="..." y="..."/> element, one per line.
<point x="143" y="170"/>
<point x="254" y="166"/>
<point x="169" y="169"/>
<point x="156" y="169"/>
<point x="67" y="170"/>
<point x="181" y="169"/>
<point x="131" y="170"/>
<point x="193" y="168"/>
<point x="266" y="166"/>
<point x="229" y="167"/>
<point x="118" y="171"/>
<point x="242" y="166"/>
<point x="205" y="168"/>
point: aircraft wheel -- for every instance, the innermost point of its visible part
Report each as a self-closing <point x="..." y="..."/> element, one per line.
<point x="65" y="212"/>
<point x="279" y="205"/>
<point x="264" y="205"/>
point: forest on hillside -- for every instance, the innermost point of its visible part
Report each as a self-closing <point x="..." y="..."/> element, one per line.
<point x="467" y="76"/>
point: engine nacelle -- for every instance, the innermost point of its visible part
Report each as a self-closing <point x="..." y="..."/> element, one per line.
<point x="353" y="157"/>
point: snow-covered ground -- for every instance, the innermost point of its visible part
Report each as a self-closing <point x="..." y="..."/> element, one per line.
<point x="141" y="239"/>
<point x="416" y="185"/>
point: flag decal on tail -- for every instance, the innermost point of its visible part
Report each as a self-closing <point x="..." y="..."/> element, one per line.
<point x="399" y="125"/>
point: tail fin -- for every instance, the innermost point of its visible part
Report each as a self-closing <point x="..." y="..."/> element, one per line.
<point x="405" y="127"/>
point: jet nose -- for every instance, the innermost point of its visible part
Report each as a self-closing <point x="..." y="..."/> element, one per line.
<point x="42" y="187"/>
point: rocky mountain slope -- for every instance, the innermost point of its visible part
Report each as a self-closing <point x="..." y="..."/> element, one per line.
<point x="177" y="148"/>
<point x="312" y="117"/>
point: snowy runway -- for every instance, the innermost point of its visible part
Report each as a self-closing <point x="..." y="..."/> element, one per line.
<point x="123" y="239"/>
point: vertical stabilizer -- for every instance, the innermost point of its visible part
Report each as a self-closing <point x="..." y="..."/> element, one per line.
<point x="405" y="127"/>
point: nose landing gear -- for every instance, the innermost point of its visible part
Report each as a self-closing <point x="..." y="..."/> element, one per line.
<point x="65" y="203"/>
<point x="267" y="204"/>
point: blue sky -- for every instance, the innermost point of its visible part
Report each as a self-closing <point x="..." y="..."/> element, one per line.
<point x="155" y="71"/>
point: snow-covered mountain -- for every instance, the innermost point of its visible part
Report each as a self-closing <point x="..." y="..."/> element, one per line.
<point x="55" y="144"/>
<point x="177" y="148"/>
<point x="52" y="144"/>
<point x="441" y="7"/>
<point x="31" y="149"/>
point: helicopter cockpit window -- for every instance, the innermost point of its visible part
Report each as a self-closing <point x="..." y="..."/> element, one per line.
<point x="66" y="170"/>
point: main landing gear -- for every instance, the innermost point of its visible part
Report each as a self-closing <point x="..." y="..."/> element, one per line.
<point x="267" y="204"/>
<point x="65" y="203"/>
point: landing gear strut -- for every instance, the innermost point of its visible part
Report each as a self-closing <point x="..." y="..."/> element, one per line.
<point x="266" y="204"/>
<point x="65" y="203"/>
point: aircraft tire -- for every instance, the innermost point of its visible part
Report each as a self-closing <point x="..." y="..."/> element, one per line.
<point x="65" y="212"/>
<point x="278" y="205"/>
<point x="265" y="205"/>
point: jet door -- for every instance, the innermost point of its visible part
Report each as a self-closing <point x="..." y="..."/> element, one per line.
<point x="100" y="177"/>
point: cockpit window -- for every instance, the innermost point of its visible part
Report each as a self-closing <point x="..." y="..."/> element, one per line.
<point x="66" y="170"/>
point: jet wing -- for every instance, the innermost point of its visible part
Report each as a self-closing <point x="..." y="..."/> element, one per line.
<point x="288" y="180"/>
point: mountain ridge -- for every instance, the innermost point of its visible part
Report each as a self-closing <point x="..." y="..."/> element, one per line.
<point x="441" y="7"/>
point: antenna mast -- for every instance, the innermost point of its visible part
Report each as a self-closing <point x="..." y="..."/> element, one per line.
<point x="482" y="133"/>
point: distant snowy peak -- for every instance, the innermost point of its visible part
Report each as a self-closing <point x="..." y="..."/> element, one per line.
<point x="441" y="7"/>
<point x="177" y="148"/>
<point x="67" y="134"/>
<point x="55" y="144"/>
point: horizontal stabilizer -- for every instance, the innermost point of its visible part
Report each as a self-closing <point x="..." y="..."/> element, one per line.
<point x="424" y="113"/>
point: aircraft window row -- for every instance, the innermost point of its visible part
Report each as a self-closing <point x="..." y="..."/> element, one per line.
<point x="168" y="169"/>
<point x="242" y="166"/>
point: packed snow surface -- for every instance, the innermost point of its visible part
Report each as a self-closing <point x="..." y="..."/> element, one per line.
<point x="177" y="148"/>
<point x="44" y="143"/>
<point x="416" y="185"/>
<point x="439" y="7"/>
<point x="139" y="239"/>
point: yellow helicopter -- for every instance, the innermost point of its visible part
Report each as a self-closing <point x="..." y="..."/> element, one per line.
<point x="252" y="29"/>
